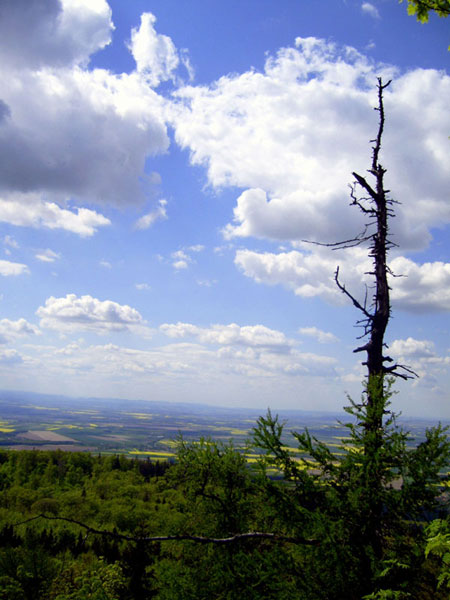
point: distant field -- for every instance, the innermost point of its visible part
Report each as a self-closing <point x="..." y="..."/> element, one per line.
<point x="45" y="435"/>
<point x="147" y="429"/>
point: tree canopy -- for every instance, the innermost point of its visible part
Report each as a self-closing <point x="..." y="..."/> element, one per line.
<point x="422" y="8"/>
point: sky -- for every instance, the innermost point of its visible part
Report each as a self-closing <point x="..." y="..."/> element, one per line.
<point x="162" y="164"/>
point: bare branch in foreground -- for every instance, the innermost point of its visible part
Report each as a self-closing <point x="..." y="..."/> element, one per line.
<point x="178" y="538"/>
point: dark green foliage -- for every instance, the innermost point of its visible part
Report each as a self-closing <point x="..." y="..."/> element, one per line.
<point x="366" y="506"/>
<point x="325" y="501"/>
<point x="43" y="559"/>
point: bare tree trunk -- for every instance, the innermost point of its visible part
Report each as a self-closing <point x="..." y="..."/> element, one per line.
<point x="377" y="206"/>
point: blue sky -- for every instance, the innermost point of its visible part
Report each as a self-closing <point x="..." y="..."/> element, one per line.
<point x="161" y="163"/>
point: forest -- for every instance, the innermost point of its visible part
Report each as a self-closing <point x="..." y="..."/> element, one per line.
<point x="74" y="525"/>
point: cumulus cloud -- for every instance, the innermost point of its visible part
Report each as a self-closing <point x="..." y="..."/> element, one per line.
<point x="179" y="330"/>
<point x="422" y="287"/>
<point x="412" y="348"/>
<point x="307" y="273"/>
<point x="292" y="136"/>
<point x="11" y="330"/>
<point x="322" y="337"/>
<point x="421" y="356"/>
<point x="90" y="141"/>
<point x="73" y="313"/>
<point x="369" y="9"/>
<point x="34" y="33"/>
<point x="232" y="334"/>
<point x="70" y="134"/>
<point x="29" y="210"/>
<point x="12" y="268"/>
<point x="275" y="133"/>
<point x="155" y="54"/>
<point x="150" y="218"/>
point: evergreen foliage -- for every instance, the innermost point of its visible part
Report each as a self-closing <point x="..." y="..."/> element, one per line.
<point x="320" y="509"/>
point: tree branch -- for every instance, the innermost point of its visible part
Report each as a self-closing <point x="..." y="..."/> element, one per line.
<point x="178" y="538"/>
<point x="363" y="183"/>
<point x="352" y="298"/>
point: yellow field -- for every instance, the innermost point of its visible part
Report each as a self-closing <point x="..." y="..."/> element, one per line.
<point x="139" y="415"/>
<point x="169" y="443"/>
<point x="230" y="430"/>
<point x="152" y="453"/>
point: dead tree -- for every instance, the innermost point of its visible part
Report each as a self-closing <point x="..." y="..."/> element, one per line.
<point x="376" y="204"/>
<point x="373" y="200"/>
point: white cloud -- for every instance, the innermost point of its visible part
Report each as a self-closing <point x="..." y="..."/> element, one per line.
<point x="47" y="255"/>
<point x="421" y="356"/>
<point x="90" y="141"/>
<point x="12" y="268"/>
<point x="11" y="330"/>
<point x="275" y="135"/>
<point x="412" y="348"/>
<point x="202" y="370"/>
<point x="142" y="286"/>
<point x="308" y="274"/>
<point x="323" y="337"/>
<point x="155" y="54"/>
<point x="10" y="357"/>
<point x="232" y="334"/>
<point x="369" y="9"/>
<point x="71" y="135"/>
<point x="422" y="287"/>
<point x="105" y="264"/>
<point x="29" y="210"/>
<point x="148" y="219"/>
<point x="181" y="260"/>
<point x="179" y="330"/>
<point x="34" y="33"/>
<point x="290" y="138"/>
<point x="87" y="313"/>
